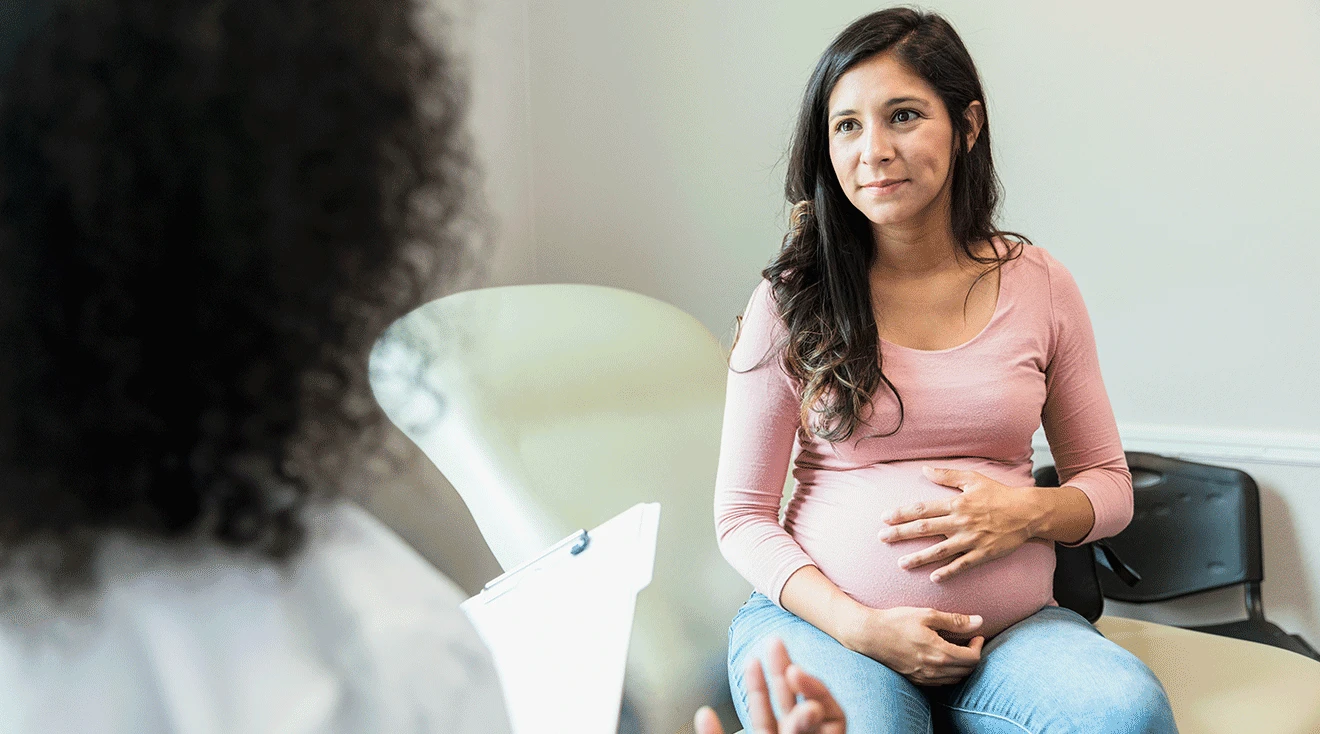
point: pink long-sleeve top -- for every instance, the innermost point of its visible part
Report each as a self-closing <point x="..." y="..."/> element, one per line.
<point x="974" y="406"/>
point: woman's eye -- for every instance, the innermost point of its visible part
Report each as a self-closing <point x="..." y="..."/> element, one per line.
<point x="846" y="126"/>
<point x="905" y="116"/>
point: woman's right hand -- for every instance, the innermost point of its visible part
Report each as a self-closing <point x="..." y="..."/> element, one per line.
<point x="907" y="641"/>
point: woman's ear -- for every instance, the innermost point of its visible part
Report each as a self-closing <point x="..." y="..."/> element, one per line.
<point x="975" y="116"/>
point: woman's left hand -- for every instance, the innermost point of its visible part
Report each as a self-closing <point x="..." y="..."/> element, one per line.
<point x="988" y="520"/>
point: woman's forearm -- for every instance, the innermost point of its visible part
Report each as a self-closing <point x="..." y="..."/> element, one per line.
<point x="1064" y="514"/>
<point x="813" y="597"/>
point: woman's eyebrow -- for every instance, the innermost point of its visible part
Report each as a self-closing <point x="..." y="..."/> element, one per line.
<point x="893" y="101"/>
<point x="903" y="100"/>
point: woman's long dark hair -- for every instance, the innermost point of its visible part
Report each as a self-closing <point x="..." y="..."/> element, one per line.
<point x="208" y="213"/>
<point x="820" y="277"/>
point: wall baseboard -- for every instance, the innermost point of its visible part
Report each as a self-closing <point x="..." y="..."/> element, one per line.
<point x="1290" y="448"/>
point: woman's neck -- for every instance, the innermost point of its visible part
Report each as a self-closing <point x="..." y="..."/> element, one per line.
<point x="918" y="247"/>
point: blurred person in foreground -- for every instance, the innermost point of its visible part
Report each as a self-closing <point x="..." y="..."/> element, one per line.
<point x="208" y="212"/>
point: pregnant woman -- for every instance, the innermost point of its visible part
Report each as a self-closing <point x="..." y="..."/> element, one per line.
<point x="900" y="354"/>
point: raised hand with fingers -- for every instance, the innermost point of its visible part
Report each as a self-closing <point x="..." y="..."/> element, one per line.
<point x="816" y="713"/>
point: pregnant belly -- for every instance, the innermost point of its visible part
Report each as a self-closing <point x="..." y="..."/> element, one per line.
<point x="835" y="517"/>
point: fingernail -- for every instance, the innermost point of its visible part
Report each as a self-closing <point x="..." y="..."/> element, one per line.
<point x="976" y="619"/>
<point x="886" y="534"/>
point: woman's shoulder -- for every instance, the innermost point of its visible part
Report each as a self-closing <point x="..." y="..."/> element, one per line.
<point x="358" y="628"/>
<point x="760" y="328"/>
<point x="761" y="319"/>
<point x="763" y="297"/>
<point x="348" y="554"/>
<point x="1029" y="257"/>
<point x="1051" y="290"/>
<point x="1042" y="274"/>
<point x="1039" y="262"/>
<point x="426" y="657"/>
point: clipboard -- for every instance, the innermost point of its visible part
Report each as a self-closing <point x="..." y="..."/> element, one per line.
<point x="558" y="626"/>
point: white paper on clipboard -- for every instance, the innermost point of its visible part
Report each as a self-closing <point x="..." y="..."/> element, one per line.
<point x="558" y="626"/>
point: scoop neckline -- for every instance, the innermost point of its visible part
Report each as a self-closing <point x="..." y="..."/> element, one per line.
<point x="999" y="308"/>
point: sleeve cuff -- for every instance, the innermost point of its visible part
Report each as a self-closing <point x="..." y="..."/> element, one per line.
<point x="781" y="579"/>
<point x="1112" y="514"/>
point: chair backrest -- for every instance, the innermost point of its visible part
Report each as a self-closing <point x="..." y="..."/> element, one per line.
<point x="1076" y="582"/>
<point x="555" y="407"/>
<point x="1194" y="528"/>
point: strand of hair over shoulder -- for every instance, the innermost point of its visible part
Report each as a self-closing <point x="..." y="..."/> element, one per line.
<point x="799" y="217"/>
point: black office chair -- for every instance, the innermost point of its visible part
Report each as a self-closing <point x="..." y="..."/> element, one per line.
<point x="1194" y="528"/>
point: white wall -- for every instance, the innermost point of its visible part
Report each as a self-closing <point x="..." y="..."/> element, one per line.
<point x="1164" y="151"/>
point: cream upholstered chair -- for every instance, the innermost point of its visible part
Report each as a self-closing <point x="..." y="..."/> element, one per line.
<point x="555" y="407"/>
<point x="1221" y="685"/>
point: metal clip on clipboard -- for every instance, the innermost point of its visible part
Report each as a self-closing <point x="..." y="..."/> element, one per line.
<point x="579" y="541"/>
<point x="558" y="625"/>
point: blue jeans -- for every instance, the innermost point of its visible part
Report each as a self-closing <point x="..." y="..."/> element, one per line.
<point x="1051" y="673"/>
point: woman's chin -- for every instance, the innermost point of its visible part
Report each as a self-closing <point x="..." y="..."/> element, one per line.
<point x="888" y="216"/>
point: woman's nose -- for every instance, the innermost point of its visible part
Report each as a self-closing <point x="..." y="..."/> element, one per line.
<point x="878" y="148"/>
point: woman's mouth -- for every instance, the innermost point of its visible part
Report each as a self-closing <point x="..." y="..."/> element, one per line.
<point x="884" y="186"/>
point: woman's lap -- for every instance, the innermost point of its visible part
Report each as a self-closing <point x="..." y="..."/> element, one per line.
<point x="874" y="698"/>
<point x="1052" y="672"/>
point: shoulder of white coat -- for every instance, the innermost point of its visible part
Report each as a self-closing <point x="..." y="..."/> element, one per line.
<point x="352" y="544"/>
<point x="404" y="615"/>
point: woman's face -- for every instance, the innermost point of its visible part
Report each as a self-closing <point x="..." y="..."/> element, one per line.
<point x="891" y="142"/>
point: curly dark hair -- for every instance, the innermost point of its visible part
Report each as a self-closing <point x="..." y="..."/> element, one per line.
<point x="209" y="210"/>
<point x="819" y="277"/>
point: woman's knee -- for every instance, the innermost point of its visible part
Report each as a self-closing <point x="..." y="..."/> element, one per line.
<point x="1122" y="701"/>
<point x="1055" y="672"/>
<point x="1118" y="689"/>
<point x="1130" y="699"/>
